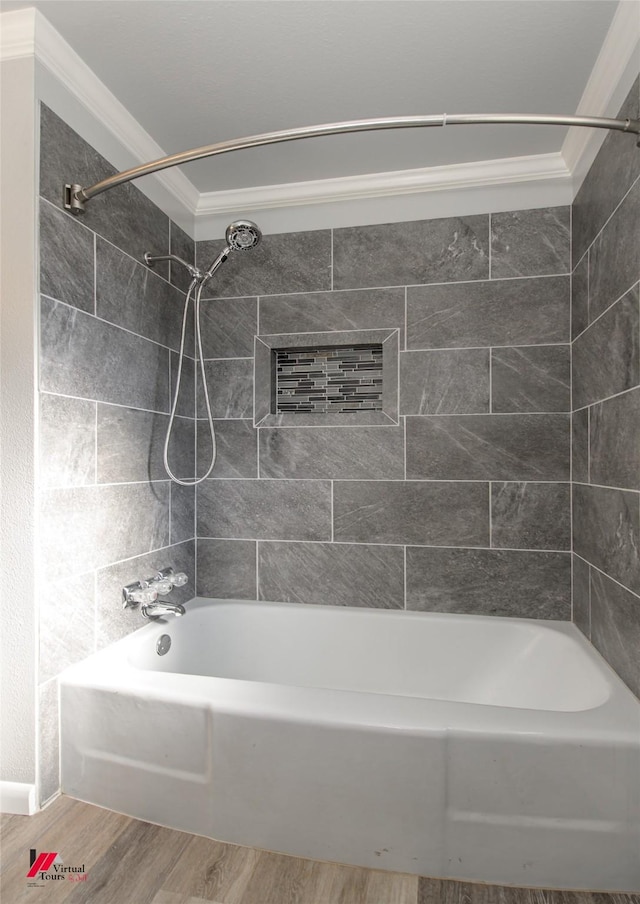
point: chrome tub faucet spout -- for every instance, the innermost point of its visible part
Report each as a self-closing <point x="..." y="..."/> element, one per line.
<point x="158" y="609"/>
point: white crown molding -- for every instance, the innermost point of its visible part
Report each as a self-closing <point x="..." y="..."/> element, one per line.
<point x="455" y="177"/>
<point x="27" y="32"/>
<point x="17" y="34"/>
<point x="614" y="70"/>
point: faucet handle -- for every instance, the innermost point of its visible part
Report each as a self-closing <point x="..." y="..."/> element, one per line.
<point x="178" y="579"/>
<point x="161" y="585"/>
<point x="136" y="593"/>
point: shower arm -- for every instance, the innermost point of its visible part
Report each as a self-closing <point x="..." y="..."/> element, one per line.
<point x="75" y="196"/>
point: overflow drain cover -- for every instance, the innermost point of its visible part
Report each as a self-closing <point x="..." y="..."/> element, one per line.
<point x="163" y="645"/>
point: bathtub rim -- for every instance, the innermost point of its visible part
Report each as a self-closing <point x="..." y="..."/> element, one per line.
<point x="616" y="719"/>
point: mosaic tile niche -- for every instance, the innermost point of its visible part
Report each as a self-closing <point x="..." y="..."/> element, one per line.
<point x="329" y="379"/>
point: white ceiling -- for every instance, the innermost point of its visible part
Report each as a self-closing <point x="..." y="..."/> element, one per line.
<point x="194" y="72"/>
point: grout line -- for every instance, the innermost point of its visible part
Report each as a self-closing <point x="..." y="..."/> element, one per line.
<point x="242" y="358"/>
<point x="331" y="265"/>
<point x="490" y="243"/>
<point x="606" y="310"/>
<point x="588" y="445"/>
<point x="95" y="446"/>
<point x="394" y="545"/>
<point x="404" y="447"/>
<point x="332" y="524"/>
<point x="612" y="214"/>
<point x="490" y="515"/>
<point x="607" y="398"/>
<point x="604" y="573"/>
<point x="602" y="486"/>
<point x="452" y="282"/>
<point x="95" y="276"/>
<point x="183" y="417"/>
<point x="112" y="324"/>
<point x="491" y="381"/>
<point x="421" y="480"/>
<point x="404" y="576"/>
<point x="107" y="241"/>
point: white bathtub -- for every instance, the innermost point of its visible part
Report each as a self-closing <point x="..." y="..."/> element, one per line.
<point x="488" y="749"/>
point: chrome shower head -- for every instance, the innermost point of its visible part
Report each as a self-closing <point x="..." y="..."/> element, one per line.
<point x="242" y="235"/>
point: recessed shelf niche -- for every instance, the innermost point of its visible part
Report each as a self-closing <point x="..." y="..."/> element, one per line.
<point x="326" y="379"/>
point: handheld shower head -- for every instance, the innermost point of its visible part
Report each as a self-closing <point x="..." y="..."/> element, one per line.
<point x="242" y="235"/>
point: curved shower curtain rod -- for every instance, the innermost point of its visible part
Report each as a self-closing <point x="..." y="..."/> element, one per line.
<point x="75" y="196"/>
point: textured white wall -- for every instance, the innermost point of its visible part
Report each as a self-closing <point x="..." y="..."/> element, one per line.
<point x="18" y="637"/>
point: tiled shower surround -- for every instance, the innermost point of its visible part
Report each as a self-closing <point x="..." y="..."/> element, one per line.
<point x="109" y="330"/>
<point x="606" y="402"/>
<point x="464" y="505"/>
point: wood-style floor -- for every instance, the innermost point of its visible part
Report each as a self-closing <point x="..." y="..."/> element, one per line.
<point x="133" y="862"/>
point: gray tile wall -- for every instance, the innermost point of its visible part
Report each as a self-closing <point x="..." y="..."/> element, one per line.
<point x="606" y="402"/>
<point x="110" y="328"/>
<point x="462" y="507"/>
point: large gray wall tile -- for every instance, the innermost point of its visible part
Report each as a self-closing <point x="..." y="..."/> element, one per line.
<point x="613" y="173"/>
<point x="488" y="447"/>
<point x="332" y="574"/>
<point x="83" y="356"/>
<point x="424" y="251"/>
<point x="580" y="446"/>
<point x="615" y="627"/>
<point x="606" y="532"/>
<point x="291" y="262"/>
<point x="615" y="441"/>
<point x="183" y="513"/>
<point x="131" y="445"/>
<point x="580" y="297"/>
<point x="67" y="441"/>
<point x="530" y="242"/>
<point x="112" y="621"/>
<point x="228" y="326"/>
<point x="358" y="309"/>
<point x="124" y="216"/>
<point x="606" y="357"/>
<point x="88" y="527"/>
<point x="444" y="381"/>
<point x="236" y="448"/>
<point x="184" y="367"/>
<point x="264" y="509"/>
<point x="531" y="379"/>
<point x="416" y="512"/>
<point x="48" y="741"/>
<point x="227" y="569"/>
<point x="230" y="383"/>
<point x="614" y="257"/>
<point x="372" y="453"/>
<point x="489" y="582"/>
<point x="66" y="259"/>
<point x="67" y="620"/>
<point x="132" y="296"/>
<point x="184" y="246"/>
<point x="581" y="593"/>
<point x="531" y="515"/>
<point x="500" y="312"/>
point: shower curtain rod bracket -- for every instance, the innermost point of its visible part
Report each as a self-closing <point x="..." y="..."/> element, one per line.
<point x="75" y="196"/>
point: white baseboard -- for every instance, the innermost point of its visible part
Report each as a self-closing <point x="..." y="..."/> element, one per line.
<point x="18" y="798"/>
